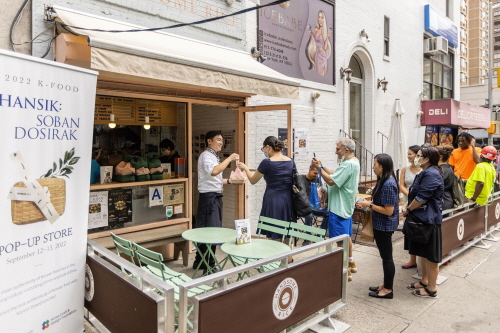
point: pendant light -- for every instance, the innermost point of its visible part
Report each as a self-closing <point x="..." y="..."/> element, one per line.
<point x="146" y="121"/>
<point x="112" y="123"/>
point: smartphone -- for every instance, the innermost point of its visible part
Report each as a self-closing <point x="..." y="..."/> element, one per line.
<point x="314" y="154"/>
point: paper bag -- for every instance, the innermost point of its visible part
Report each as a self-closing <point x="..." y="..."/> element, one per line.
<point x="237" y="176"/>
<point x="367" y="231"/>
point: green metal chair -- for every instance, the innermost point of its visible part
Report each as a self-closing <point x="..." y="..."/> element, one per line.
<point x="306" y="232"/>
<point x="153" y="262"/>
<point x="124" y="246"/>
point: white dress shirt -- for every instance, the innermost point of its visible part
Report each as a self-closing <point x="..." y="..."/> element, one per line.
<point x="206" y="182"/>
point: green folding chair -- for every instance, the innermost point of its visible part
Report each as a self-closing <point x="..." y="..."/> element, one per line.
<point x="152" y="262"/>
<point x="306" y="232"/>
<point x="124" y="246"/>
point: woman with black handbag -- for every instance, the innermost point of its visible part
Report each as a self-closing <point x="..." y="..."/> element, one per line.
<point x="422" y="226"/>
<point x="385" y="218"/>
<point x="277" y="171"/>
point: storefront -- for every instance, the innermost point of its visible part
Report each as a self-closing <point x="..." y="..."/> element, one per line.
<point x="445" y="118"/>
<point x="185" y="91"/>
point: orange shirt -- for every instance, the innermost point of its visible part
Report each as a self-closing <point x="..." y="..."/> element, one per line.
<point x="463" y="161"/>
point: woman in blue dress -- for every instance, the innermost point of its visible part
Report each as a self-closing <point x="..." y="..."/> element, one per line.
<point x="277" y="170"/>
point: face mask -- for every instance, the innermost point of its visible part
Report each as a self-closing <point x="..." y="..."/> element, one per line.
<point x="266" y="154"/>
<point x="418" y="165"/>
<point x="342" y="159"/>
<point x="166" y="152"/>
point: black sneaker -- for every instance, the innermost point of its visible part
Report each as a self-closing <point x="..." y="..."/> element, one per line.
<point x="305" y="243"/>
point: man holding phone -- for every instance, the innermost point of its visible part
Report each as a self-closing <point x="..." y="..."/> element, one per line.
<point x="342" y="190"/>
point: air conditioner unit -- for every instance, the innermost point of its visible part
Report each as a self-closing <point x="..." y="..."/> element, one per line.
<point x="436" y="45"/>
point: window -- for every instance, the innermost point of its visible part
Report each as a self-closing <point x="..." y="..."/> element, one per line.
<point x="484" y="53"/>
<point x="485" y="24"/>
<point x="496" y="30"/>
<point x="485" y="4"/>
<point x="496" y="13"/>
<point x="463" y="63"/>
<point x="484" y="33"/>
<point x="497" y="22"/>
<point x="463" y="33"/>
<point x="463" y="19"/>
<point x="496" y="64"/>
<point x="386" y="35"/>
<point x="484" y="63"/>
<point x="497" y="39"/>
<point x="463" y="49"/>
<point x="496" y="56"/>
<point x="484" y="44"/>
<point x="438" y="76"/>
<point x="496" y="47"/>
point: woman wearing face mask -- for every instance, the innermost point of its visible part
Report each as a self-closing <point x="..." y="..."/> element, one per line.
<point x="426" y="202"/>
<point x="277" y="171"/>
<point x="407" y="177"/>
<point x="385" y="216"/>
<point x="168" y="153"/>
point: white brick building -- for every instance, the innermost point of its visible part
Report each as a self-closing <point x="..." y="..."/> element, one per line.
<point x="324" y="117"/>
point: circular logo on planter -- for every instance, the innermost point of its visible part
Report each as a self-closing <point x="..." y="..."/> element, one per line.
<point x="89" y="284"/>
<point x="460" y="229"/>
<point x="497" y="211"/>
<point x="285" y="298"/>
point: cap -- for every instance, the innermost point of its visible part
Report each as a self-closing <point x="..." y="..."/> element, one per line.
<point x="489" y="152"/>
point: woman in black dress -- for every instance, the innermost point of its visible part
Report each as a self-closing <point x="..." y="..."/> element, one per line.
<point x="426" y="203"/>
<point x="277" y="171"/>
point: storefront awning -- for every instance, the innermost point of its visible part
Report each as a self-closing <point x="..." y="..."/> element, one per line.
<point x="160" y="56"/>
<point x="448" y="112"/>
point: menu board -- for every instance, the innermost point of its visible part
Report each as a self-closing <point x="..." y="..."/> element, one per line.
<point x="98" y="209"/>
<point x="120" y="205"/>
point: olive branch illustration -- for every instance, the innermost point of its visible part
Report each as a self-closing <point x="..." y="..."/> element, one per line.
<point x="65" y="166"/>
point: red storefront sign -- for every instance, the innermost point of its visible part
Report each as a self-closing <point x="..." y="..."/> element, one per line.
<point x="448" y="112"/>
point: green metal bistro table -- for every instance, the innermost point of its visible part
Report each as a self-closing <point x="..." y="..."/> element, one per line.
<point x="209" y="236"/>
<point x="256" y="249"/>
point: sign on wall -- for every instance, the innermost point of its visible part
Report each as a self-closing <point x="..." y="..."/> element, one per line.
<point x="439" y="25"/>
<point x="47" y="119"/>
<point x="450" y="112"/>
<point x="298" y="39"/>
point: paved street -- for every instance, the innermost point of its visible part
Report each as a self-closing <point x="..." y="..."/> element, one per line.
<point x="468" y="301"/>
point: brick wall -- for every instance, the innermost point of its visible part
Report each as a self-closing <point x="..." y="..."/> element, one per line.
<point x="229" y="32"/>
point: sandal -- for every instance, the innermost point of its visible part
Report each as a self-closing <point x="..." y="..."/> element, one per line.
<point x="414" y="285"/>
<point x="431" y="294"/>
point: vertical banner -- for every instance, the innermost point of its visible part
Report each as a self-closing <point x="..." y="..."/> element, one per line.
<point x="47" y="112"/>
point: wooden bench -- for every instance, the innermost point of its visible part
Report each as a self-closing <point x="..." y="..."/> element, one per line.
<point x="155" y="237"/>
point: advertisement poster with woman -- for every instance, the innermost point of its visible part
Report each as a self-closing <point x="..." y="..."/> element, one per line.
<point x="298" y="39"/>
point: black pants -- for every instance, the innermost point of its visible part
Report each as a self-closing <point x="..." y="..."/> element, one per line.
<point x="209" y="215"/>
<point x="384" y="244"/>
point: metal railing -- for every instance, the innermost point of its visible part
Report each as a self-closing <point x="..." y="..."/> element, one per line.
<point x="160" y="291"/>
<point x="383" y="137"/>
<point x="222" y="282"/>
<point x="365" y="161"/>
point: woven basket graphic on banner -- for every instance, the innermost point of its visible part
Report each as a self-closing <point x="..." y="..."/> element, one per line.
<point x="26" y="212"/>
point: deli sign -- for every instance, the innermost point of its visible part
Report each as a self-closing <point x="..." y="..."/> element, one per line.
<point x="448" y="112"/>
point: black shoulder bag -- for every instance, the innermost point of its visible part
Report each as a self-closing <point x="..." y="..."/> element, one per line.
<point x="416" y="230"/>
<point x="301" y="204"/>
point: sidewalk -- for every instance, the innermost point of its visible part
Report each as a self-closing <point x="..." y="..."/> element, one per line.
<point x="469" y="301"/>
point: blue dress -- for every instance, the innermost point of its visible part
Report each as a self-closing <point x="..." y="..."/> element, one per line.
<point x="277" y="202"/>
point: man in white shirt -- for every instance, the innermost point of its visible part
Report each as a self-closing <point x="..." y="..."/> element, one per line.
<point x="210" y="183"/>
